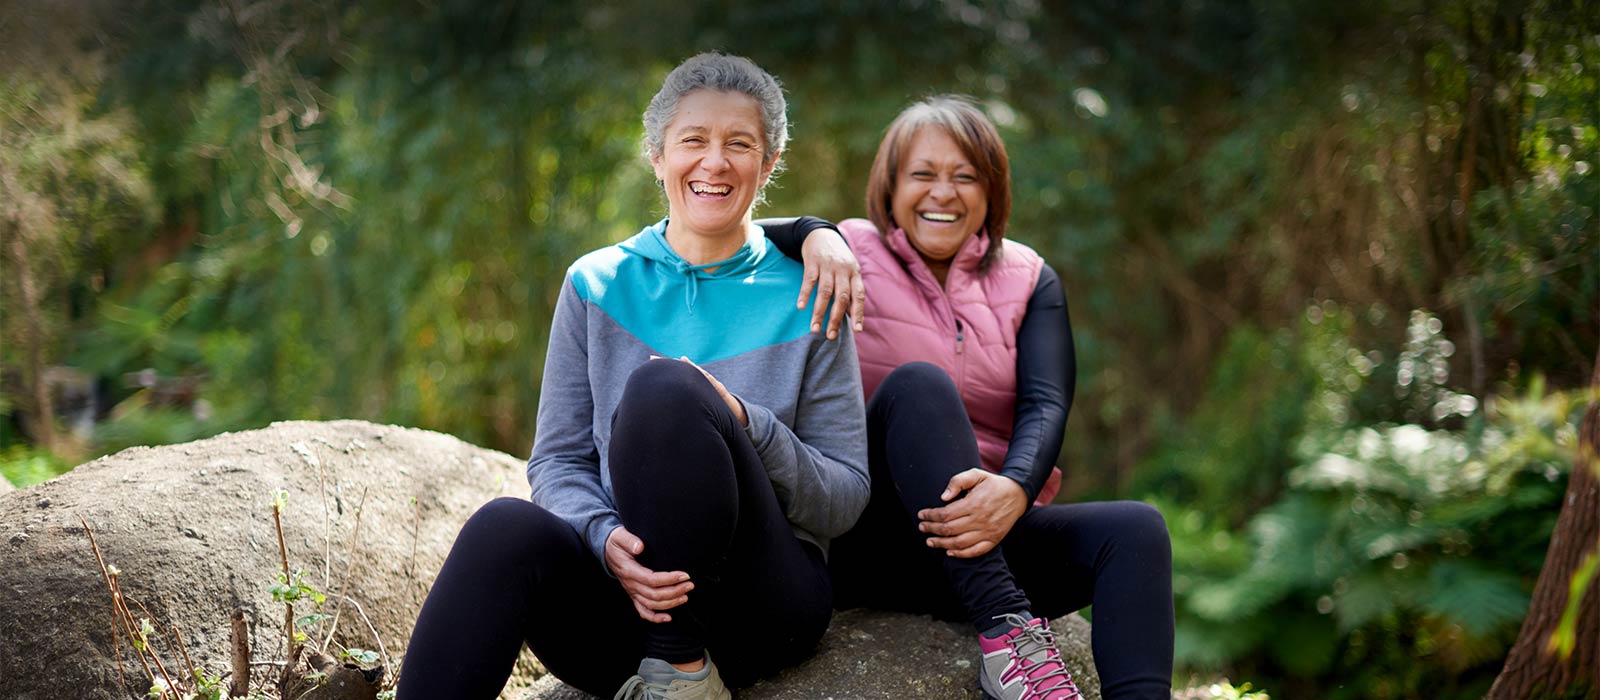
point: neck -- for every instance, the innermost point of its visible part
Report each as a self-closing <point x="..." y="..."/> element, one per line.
<point x="939" y="268"/>
<point x="699" y="248"/>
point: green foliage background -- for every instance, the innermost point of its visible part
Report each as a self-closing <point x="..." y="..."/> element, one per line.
<point x="1333" y="265"/>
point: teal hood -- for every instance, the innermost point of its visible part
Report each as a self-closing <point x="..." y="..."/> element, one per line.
<point x="651" y="244"/>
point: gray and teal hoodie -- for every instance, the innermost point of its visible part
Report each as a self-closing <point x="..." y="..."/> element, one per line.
<point x="621" y="304"/>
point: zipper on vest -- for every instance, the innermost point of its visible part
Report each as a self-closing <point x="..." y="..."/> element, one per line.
<point x="961" y="359"/>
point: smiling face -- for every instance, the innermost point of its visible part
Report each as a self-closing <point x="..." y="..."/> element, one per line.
<point x="711" y="163"/>
<point x="938" y="198"/>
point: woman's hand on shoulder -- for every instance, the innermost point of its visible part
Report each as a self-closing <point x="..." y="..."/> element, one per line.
<point x="650" y="591"/>
<point x="973" y="524"/>
<point x="831" y="268"/>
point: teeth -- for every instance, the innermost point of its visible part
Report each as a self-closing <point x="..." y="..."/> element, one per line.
<point x="710" y="189"/>
<point x="938" y="216"/>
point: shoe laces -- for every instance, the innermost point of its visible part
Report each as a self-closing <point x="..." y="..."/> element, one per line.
<point x="1034" y="649"/>
<point x="638" y="689"/>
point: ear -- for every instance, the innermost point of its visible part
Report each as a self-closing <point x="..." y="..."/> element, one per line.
<point x="655" y="164"/>
<point x="766" y="170"/>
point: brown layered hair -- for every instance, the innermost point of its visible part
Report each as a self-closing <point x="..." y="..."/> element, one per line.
<point x="979" y="141"/>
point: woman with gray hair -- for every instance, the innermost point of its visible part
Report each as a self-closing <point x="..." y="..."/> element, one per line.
<point x="681" y="508"/>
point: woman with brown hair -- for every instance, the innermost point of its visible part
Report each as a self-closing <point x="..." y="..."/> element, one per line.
<point x="968" y="367"/>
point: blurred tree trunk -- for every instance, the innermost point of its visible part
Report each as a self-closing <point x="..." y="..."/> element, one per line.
<point x="39" y="413"/>
<point x="1534" y="669"/>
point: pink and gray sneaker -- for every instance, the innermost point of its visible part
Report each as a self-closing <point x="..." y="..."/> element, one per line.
<point x="1024" y="664"/>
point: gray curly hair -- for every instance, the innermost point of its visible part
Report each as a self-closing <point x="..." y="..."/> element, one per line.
<point x="715" y="71"/>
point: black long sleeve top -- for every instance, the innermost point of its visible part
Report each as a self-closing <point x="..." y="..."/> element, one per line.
<point x="1046" y="364"/>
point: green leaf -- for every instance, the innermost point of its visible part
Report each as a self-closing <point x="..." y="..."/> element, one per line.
<point x="1566" y="633"/>
<point x="1481" y="600"/>
<point x="284" y="593"/>
<point x="364" y="657"/>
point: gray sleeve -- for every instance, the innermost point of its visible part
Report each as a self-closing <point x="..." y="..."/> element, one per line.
<point x="564" y="470"/>
<point x="819" y="467"/>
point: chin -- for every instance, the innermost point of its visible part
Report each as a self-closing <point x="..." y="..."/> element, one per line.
<point x="712" y="225"/>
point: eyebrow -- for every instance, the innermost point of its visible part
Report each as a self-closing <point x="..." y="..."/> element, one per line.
<point x="925" y="163"/>
<point x="699" y="129"/>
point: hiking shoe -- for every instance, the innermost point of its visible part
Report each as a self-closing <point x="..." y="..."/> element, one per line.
<point x="658" y="680"/>
<point x="1024" y="664"/>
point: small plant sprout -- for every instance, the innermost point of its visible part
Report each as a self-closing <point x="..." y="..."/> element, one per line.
<point x="360" y="657"/>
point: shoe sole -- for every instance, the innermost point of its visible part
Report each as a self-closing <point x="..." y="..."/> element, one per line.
<point x="984" y="690"/>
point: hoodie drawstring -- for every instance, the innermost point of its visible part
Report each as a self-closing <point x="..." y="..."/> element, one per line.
<point x="692" y="290"/>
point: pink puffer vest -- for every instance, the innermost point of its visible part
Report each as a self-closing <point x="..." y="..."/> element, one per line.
<point x="968" y="327"/>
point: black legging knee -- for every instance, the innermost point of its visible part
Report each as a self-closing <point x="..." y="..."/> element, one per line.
<point x="511" y="560"/>
<point x="919" y="436"/>
<point x="670" y="415"/>
<point x="1114" y="555"/>
<point x="686" y="481"/>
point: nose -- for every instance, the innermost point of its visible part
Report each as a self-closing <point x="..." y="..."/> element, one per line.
<point x="943" y="190"/>
<point x="716" y="160"/>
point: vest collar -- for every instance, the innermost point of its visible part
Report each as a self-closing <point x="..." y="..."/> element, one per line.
<point x="965" y="262"/>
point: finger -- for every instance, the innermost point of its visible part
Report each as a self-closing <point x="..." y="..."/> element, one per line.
<point x="650" y="615"/>
<point x="806" y="284"/>
<point x="722" y="390"/>
<point x="961" y="482"/>
<point x="824" y="295"/>
<point x="961" y="541"/>
<point x="626" y="568"/>
<point x="627" y="541"/>
<point x="836" y="313"/>
<point x="703" y="372"/>
<point x="660" y="579"/>
<point x="710" y="379"/>
<point x="976" y="550"/>
<point x="628" y="571"/>
<point x="666" y="604"/>
<point x="660" y="593"/>
<point x="949" y="528"/>
<point x="944" y="514"/>
<point x="858" y="300"/>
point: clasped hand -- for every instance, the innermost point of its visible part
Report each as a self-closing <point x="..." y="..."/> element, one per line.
<point x="651" y="591"/>
<point x="973" y="524"/>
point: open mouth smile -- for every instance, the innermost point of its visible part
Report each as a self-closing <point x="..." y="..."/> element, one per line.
<point x="706" y="189"/>
<point x="938" y="217"/>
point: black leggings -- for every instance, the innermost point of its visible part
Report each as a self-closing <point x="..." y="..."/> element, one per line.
<point x="688" y="482"/>
<point x="1115" y="555"/>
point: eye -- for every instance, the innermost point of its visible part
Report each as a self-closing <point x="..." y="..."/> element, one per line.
<point x="966" y="179"/>
<point x="922" y="175"/>
<point x="739" y="146"/>
<point x="692" y="140"/>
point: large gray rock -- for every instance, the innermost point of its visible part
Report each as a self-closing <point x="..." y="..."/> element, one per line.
<point x="190" y="527"/>
<point x="869" y="654"/>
